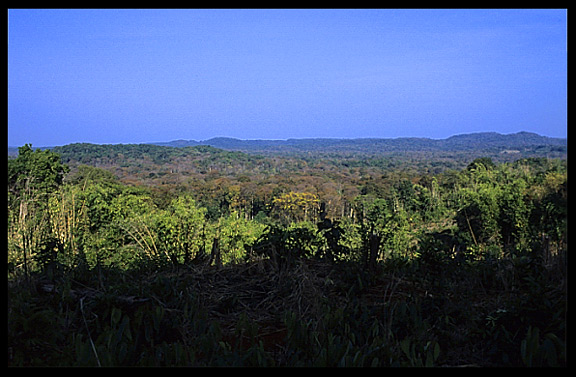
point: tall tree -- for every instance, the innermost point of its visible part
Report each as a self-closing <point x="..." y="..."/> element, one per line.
<point x="34" y="170"/>
<point x="32" y="176"/>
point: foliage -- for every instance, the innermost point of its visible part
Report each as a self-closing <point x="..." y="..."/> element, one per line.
<point x="32" y="177"/>
<point x="34" y="170"/>
<point x="229" y="260"/>
<point x="296" y="206"/>
<point x="284" y="245"/>
<point x="237" y="236"/>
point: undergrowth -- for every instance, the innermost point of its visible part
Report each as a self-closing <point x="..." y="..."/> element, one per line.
<point x="419" y="312"/>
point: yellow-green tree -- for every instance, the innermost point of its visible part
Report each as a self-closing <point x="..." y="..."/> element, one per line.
<point x="297" y="206"/>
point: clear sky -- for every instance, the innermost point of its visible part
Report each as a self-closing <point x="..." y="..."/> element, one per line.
<point x="134" y="76"/>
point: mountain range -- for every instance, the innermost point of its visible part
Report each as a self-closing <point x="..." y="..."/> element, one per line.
<point x="483" y="141"/>
<point x="473" y="141"/>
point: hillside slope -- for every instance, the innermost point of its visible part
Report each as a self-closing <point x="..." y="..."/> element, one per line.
<point x="474" y="141"/>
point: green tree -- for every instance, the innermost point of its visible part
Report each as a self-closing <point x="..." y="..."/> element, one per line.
<point x="387" y="219"/>
<point x="69" y="224"/>
<point x="34" y="170"/>
<point x="85" y="174"/>
<point x="478" y="215"/>
<point x="174" y="235"/>
<point x="285" y="245"/>
<point x="187" y="229"/>
<point x="514" y="216"/>
<point x="431" y="205"/>
<point x="485" y="163"/>
<point x="407" y="195"/>
<point x="32" y="177"/>
<point x="99" y="204"/>
<point x="548" y="220"/>
<point x="236" y="236"/>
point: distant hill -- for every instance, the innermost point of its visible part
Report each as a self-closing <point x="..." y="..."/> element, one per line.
<point x="493" y="143"/>
<point x="474" y="141"/>
<point x="494" y="139"/>
<point x="179" y="161"/>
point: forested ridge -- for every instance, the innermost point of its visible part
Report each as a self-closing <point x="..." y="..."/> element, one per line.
<point x="492" y="141"/>
<point x="153" y="255"/>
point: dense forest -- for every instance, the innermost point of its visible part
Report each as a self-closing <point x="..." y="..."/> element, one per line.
<point x="149" y="255"/>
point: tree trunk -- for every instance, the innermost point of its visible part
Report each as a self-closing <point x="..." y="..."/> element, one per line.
<point x="374" y="243"/>
<point x="215" y="254"/>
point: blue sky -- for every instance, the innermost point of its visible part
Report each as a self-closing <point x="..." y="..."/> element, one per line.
<point x="133" y="76"/>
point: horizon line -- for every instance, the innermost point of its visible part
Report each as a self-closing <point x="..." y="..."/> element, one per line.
<point x="296" y="138"/>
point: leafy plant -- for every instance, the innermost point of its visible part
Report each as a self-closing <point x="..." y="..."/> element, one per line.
<point x="424" y="356"/>
<point x="537" y="352"/>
